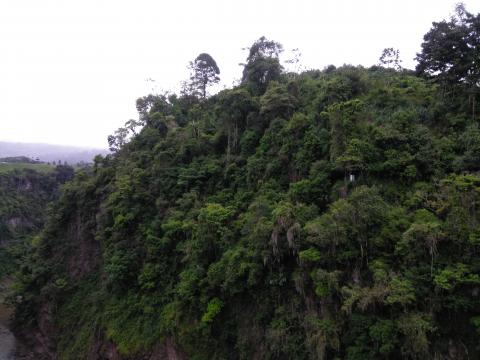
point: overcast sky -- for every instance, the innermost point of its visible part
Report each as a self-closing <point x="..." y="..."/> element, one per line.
<point x="70" y="71"/>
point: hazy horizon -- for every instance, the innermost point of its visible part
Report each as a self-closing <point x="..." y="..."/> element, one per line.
<point x="79" y="147"/>
<point x="50" y="152"/>
<point x="72" y="71"/>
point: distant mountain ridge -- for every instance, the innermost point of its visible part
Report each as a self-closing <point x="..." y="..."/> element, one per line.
<point x="50" y="152"/>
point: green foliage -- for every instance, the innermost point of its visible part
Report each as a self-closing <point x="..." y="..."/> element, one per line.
<point x="328" y="215"/>
<point x="383" y="333"/>
<point x="415" y="328"/>
<point x="214" y="307"/>
<point x="310" y="255"/>
<point x="452" y="276"/>
<point x="277" y="101"/>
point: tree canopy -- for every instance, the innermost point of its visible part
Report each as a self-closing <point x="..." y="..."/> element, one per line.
<point x="451" y="53"/>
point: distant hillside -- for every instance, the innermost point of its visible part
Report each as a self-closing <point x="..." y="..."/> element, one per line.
<point x="49" y="153"/>
<point x="18" y="159"/>
<point x="6" y="167"/>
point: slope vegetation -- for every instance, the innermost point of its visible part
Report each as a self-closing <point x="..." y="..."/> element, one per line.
<point x="325" y="215"/>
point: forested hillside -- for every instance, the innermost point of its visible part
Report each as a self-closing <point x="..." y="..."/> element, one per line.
<point x="323" y="215"/>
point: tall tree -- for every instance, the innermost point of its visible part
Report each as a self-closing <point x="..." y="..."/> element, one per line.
<point x="233" y="108"/>
<point x="262" y="64"/>
<point x="451" y="53"/>
<point x="204" y="72"/>
<point x="390" y="58"/>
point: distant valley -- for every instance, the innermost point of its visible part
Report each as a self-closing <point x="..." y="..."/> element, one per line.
<point x="49" y="153"/>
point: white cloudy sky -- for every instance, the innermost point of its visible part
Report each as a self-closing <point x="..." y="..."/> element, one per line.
<point x="70" y="71"/>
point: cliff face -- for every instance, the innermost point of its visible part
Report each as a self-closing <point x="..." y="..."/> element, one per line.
<point x="328" y="215"/>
